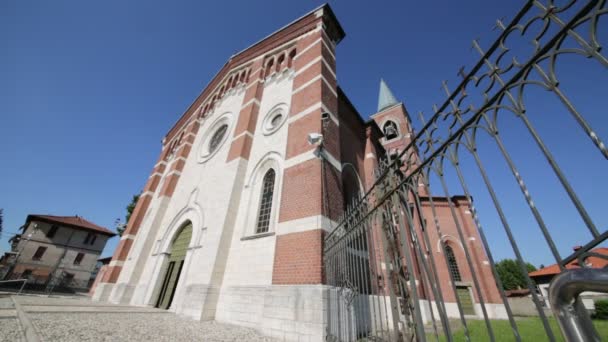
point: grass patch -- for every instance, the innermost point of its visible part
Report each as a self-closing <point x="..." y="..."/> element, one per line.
<point x="530" y="329"/>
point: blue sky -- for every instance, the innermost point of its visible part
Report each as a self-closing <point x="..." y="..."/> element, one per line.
<point x="88" y="90"/>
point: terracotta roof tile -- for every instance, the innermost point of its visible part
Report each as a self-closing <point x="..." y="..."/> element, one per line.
<point x="595" y="262"/>
<point x="74" y="221"/>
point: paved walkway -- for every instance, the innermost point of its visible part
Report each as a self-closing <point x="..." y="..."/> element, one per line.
<point x="30" y="319"/>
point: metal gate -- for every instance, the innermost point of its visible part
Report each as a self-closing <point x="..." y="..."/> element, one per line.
<point x="385" y="263"/>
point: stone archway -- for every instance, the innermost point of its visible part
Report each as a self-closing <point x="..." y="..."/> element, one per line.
<point x="172" y="269"/>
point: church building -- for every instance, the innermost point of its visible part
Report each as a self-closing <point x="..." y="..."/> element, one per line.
<point x="231" y="222"/>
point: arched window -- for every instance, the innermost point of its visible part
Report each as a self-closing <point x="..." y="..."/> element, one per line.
<point x="390" y="130"/>
<point x="269" y="68"/>
<point x="351" y="190"/>
<point x="265" y="202"/>
<point x="452" y="264"/>
<point x="280" y="62"/>
<point x="292" y="55"/>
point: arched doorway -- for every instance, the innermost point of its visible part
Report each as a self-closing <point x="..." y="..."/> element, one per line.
<point x="173" y="268"/>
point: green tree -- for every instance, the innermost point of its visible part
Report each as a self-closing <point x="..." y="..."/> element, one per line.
<point x="511" y="275"/>
<point x="131" y="207"/>
<point x="121" y="228"/>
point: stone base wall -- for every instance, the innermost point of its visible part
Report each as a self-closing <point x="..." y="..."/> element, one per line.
<point x="285" y="312"/>
<point x="197" y="302"/>
<point x="291" y="312"/>
<point x="102" y="292"/>
<point x="122" y="293"/>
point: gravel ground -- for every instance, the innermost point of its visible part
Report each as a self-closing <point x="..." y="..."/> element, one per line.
<point x="82" y="327"/>
<point x="10" y="330"/>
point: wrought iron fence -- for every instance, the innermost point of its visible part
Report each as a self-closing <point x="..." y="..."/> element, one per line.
<point x="386" y="262"/>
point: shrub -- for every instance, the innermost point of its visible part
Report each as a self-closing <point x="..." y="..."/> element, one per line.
<point x="601" y="309"/>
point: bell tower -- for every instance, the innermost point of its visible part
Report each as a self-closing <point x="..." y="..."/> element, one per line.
<point x="393" y="120"/>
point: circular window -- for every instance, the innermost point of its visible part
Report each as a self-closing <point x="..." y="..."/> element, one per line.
<point x="217" y="138"/>
<point x="275" y="119"/>
<point x="213" y="137"/>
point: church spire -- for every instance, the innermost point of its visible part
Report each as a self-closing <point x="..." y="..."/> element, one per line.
<point x="385" y="97"/>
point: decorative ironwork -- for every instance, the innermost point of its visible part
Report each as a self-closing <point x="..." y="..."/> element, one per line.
<point x="380" y="258"/>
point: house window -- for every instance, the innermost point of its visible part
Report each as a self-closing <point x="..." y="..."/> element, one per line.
<point x="78" y="258"/>
<point x="452" y="264"/>
<point x="90" y="239"/>
<point x="390" y="130"/>
<point x="51" y="233"/>
<point x="39" y="253"/>
<point x="265" y="202"/>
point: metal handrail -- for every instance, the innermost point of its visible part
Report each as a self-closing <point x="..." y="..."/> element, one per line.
<point x="567" y="306"/>
<point x="14" y="281"/>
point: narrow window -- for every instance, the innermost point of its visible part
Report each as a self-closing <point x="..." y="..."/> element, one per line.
<point x="292" y="55"/>
<point x="452" y="264"/>
<point x="269" y="68"/>
<point x="51" y="233"/>
<point x="280" y="62"/>
<point x="265" y="202"/>
<point x="78" y="258"/>
<point x="390" y="130"/>
<point x="39" y="253"/>
<point x="87" y="238"/>
<point x="92" y="242"/>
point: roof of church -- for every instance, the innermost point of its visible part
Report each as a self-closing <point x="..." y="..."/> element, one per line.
<point x="72" y="221"/>
<point x="324" y="6"/>
<point x="385" y="97"/>
<point x="285" y="34"/>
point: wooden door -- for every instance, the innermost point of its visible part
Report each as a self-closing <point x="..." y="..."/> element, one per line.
<point x="179" y="248"/>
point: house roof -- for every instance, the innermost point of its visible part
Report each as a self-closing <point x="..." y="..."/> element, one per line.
<point x="72" y="221"/>
<point x="592" y="261"/>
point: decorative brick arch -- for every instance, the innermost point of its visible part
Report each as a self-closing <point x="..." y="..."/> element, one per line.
<point x="349" y="169"/>
<point x="450" y="240"/>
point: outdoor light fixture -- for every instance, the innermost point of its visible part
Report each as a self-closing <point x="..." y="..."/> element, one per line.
<point x="315" y="138"/>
